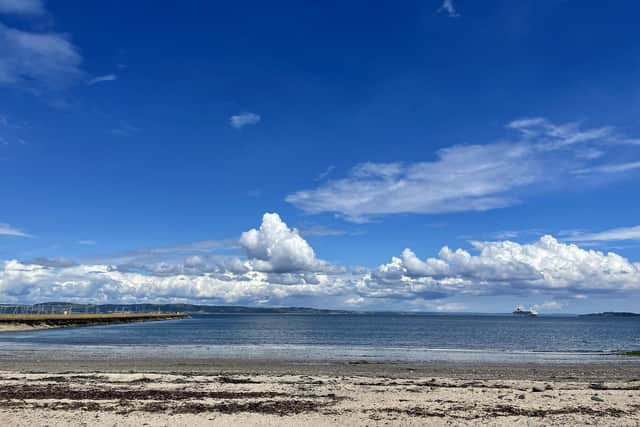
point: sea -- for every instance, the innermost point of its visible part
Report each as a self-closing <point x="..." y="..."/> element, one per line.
<point x="379" y="337"/>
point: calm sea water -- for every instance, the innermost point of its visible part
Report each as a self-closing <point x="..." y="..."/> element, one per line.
<point x="343" y="337"/>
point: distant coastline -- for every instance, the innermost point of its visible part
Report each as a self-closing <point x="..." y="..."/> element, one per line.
<point x="75" y="308"/>
<point x="62" y="307"/>
<point x="611" y="314"/>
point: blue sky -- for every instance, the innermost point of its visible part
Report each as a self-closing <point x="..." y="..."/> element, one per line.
<point x="139" y="140"/>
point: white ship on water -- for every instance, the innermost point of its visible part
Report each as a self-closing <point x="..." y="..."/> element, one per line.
<point x="521" y="311"/>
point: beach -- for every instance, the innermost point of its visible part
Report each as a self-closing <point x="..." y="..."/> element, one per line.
<point x="317" y="370"/>
<point x="274" y="392"/>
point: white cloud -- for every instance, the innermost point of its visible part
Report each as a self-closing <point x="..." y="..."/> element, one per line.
<point x="450" y="306"/>
<point x="22" y="7"/>
<point x="622" y="233"/>
<point x="609" y="168"/>
<point x="449" y="8"/>
<point x="280" y="266"/>
<point x="87" y="242"/>
<point x="21" y="282"/>
<point x="241" y="120"/>
<point x="276" y="247"/>
<point x="8" y="230"/>
<point x="99" y="79"/>
<point x="550" y="306"/>
<point x="619" y="167"/>
<point x="463" y="177"/>
<point x="505" y="267"/>
<point x="355" y="301"/>
<point x="551" y="136"/>
<point x="32" y="59"/>
<point x="321" y="231"/>
<point x="206" y="250"/>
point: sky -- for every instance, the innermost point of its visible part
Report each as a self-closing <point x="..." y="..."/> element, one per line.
<point x="455" y="156"/>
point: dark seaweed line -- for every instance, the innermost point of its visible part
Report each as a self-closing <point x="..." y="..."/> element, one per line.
<point x="56" y="391"/>
<point x="502" y="411"/>
<point x="276" y="407"/>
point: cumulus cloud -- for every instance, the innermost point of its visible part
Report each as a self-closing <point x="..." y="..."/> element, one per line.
<point x="40" y="60"/>
<point x="504" y="267"/>
<point x="22" y="282"/>
<point x="279" y="266"/>
<point x="8" y="230"/>
<point x="276" y="247"/>
<point x="241" y="120"/>
<point x="22" y="7"/>
<point x="449" y="9"/>
<point x="100" y="79"/>
<point x="465" y="177"/>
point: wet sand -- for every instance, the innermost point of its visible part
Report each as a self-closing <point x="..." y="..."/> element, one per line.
<point x="236" y="392"/>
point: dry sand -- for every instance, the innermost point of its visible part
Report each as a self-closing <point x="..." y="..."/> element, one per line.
<point x="237" y="393"/>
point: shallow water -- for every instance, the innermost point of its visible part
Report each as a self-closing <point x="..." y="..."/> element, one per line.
<point x="378" y="337"/>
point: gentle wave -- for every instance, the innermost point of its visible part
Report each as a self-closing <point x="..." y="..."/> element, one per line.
<point x="304" y="353"/>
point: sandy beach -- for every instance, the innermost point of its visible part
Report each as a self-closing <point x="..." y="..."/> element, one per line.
<point x="235" y="392"/>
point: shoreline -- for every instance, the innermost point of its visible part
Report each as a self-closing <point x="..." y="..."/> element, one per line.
<point x="495" y="370"/>
<point x="23" y="348"/>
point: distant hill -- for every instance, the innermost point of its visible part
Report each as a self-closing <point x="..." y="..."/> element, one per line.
<point x="61" y="307"/>
<point x="611" y="314"/>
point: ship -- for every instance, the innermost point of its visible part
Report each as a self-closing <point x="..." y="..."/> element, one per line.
<point x="520" y="311"/>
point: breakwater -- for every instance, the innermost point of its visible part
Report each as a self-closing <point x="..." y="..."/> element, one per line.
<point x="44" y="321"/>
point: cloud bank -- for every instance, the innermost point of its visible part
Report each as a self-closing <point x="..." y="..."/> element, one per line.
<point x="278" y="266"/>
<point x="504" y="267"/>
